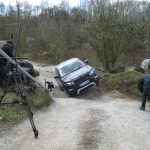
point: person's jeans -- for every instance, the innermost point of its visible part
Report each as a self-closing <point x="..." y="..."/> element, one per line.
<point x="145" y="92"/>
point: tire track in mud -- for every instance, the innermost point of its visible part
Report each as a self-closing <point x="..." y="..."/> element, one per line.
<point x="91" y="130"/>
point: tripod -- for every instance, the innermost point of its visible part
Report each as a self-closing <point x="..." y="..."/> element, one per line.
<point x="15" y="77"/>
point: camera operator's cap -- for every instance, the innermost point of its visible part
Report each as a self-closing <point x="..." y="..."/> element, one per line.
<point x="9" y="42"/>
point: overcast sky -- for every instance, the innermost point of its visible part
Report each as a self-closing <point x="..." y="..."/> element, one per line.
<point x="51" y="2"/>
<point x="38" y="2"/>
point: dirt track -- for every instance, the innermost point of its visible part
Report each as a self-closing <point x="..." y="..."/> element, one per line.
<point x="91" y="121"/>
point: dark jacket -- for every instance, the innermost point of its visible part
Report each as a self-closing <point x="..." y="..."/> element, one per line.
<point x="145" y="79"/>
<point x="26" y="79"/>
<point x="8" y="50"/>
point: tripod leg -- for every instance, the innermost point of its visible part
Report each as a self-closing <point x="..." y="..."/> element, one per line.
<point x="26" y="104"/>
<point x="5" y="90"/>
<point x="30" y="115"/>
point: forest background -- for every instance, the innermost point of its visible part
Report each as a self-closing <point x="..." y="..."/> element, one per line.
<point x="108" y="34"/>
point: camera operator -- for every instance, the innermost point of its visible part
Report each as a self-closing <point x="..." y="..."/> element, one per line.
<point x="144" y="87"/>
<point x="27" y="81"/>
<point x="7" y="47"/>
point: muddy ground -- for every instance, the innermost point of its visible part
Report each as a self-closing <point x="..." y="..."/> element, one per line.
<point x="94" y="120"/>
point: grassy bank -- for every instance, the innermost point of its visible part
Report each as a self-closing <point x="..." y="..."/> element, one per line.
<point x="11" y="115"/>
<point x="125" y="82"/>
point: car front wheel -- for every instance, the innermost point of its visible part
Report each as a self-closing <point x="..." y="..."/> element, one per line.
<point x="61" y="88"/>
<point x="71" y="94"/>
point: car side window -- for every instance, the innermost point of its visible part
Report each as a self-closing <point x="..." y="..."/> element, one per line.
<point x="56" y="72"/>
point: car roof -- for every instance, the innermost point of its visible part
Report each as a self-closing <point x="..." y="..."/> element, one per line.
<point x="64" y="63"/>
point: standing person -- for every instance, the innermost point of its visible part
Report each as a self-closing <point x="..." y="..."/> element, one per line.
<point x="144" y="87"/>
<point x="7" y="47"/>
<point x="149" y="66"/>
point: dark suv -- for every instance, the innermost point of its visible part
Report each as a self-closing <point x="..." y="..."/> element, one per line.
<point x="74" y="75"/>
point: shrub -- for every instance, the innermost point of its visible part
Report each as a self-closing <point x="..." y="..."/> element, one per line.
<point x="125" y="82"/>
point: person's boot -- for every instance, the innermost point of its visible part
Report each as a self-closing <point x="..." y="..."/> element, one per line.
<point x="142" y="108"/>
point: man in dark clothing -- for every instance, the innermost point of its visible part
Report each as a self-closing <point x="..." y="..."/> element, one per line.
<point x="144" y="87"/>
<point x="27" y="81"/>
<point x="149" y="66"/>
<point x="7" y="47"/>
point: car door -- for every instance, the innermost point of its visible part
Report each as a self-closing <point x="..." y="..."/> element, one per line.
<point x="58" y="79"/>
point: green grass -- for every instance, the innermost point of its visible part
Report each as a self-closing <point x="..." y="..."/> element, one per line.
<point x="12" y="114"/>
<point x="45" y="60"/>
<point x="125" y="82"/>
<point x="39" y="99"/>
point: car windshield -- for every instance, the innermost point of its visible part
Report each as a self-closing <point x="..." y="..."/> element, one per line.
<point x="71" y="67"/>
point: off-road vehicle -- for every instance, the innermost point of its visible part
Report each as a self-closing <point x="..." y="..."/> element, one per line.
<point x="74" y="76"/>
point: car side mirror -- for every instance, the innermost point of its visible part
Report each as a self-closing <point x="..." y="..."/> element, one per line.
<point x="86" y="61"/>
<point x="56" y="76"/>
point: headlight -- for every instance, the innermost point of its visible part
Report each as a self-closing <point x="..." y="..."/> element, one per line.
<point x="91" y="72"/>
<point x="69" y="83"/>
